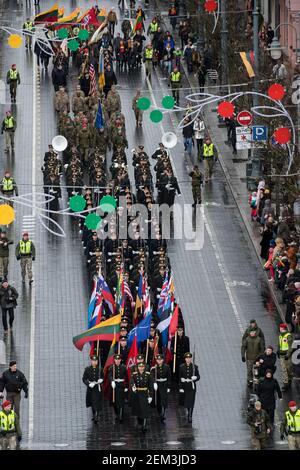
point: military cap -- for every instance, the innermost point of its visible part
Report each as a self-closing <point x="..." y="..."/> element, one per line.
<point x="151" y="339"/>
<point x="159" y="356"/>
<point x="123" y="338"/>
<point x="140" y="356"/>
<point x="141" y="364"/>
<point x="188" y="354"/>
<point x="180" y="327"/>
<point x="117" y="356"/>
<point x="94" y="358"/>
<point x="253" y="320"/>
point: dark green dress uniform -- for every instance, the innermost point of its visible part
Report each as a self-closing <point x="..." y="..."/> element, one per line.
<point x="161" y="375"/>
<point x="93" y="395"/>
<point x="188" y="385"/>
<point x="141" y="389"/>
<point x="118" y="375"/>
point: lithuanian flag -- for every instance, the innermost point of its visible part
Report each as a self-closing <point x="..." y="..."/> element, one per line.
<point x="102" y="15"/>
<point x="105" y="331"/>
<point x="61" y="12"/>
<point x="49" y="16"/>
<point x="248" y="60"/>
<point x="138" y="22"/>
<point x="70" y="19"/>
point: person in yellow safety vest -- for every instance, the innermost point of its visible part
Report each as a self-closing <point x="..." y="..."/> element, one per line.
<point x="27" y="28"/>
<point x="148" y="56"/>
<point x="8" y="187"/>
<point x="284" y="353"/>
<point x="209" y="156"/>
<point x="153" y="27"/>
<point x="290" y="426"/>
<point x="13" y="80"/>
<point x="25" y="251"/>
<point x="175" y="79"/>
<point x="9" y="126"/>
<point x="10" y="430"/>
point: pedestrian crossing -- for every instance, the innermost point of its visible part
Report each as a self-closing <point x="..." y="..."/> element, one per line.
<point x="28" y="225"/>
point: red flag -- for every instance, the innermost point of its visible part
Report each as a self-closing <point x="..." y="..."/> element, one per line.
<point x="131" y="358"/>
<point x="89" y="17"/>
<point x="168" y="354"/>
<point x="174" y="322"/>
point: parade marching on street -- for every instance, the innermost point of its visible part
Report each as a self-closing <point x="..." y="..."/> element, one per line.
<point x="126" y="335"/>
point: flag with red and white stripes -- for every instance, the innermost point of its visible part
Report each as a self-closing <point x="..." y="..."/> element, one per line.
<point x="93" y="85"/>
<point x="127" y="291"/>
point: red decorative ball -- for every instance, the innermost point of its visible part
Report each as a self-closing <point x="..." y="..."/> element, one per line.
<point x="210" y="5"/>
<point x="276" y="91"/>
<point x="226" y="109"/>
<point x="282" y="135"/>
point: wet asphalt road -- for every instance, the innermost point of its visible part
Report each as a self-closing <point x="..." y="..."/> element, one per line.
<point x="220" y="288"/>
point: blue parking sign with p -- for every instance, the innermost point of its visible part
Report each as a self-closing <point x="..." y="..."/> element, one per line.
<point x="259" y="133"/>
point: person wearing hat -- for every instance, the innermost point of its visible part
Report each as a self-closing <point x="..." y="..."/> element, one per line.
<point x="251" y="348"/>
<point x="13" y="80"/>
<point x="117" y="377"/>
<point x="25" y="251"/>
<point x="4" y="254"/>
<point x="260" y="425"/>
<point x="149" y="350"/>
<point x="8" y="186"/>
<point x="253" y="326"/>
<point x="93" y="378"/>
<point x="290" y="426"/>
<point x="10" y="430"/>
<point x="140" y="358"/>
<point x="141" y="394"/>
<point x="8" y="300"/>
<point x="182" y="344"/>
<point x="188" y="376"/>
<point x="267" y="390"/>
<point x="284" y="353"/>
<point x="13" y="381"/>
<point x="122" y="349"/>
<point x="161" y="379"/>
<point x="9" y="125"/>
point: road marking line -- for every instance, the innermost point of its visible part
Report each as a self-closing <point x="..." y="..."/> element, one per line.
<point x="32" y="323"/>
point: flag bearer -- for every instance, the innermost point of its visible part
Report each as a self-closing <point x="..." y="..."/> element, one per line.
<point x="161" y="379"/>
<point x="93" y="378"/>
<point x="117" y="376"/>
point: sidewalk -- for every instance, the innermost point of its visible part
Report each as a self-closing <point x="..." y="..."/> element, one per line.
<point x="233" y="166"/>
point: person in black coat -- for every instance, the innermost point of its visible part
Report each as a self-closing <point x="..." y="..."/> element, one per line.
<point x="8" y="299"/>
<point x="231" y="133"/>
<point x="141" y="394"/>
<point x="266" y="391"/>
<point x="161" y="379"/>
<point x="117" y="377"/>
<point x="182" y="347"/>
<point x="265" y="242"/>
<point x="93" y="378"/>
<point x="188" y="376"/>
<point x="110" y="79"/>
<point x="59" y="77"/>
<point x="266" y="361"/>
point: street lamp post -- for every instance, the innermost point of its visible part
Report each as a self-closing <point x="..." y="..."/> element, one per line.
<point x="255" y="160"/>
<point x="224" y="43"/>
<point x="200" y="30"/>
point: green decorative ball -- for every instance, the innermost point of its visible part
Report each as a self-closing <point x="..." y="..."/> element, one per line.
<point x="143" y="103"/>
<point x="73" y="45"/>
<point x="83" y="34"/>
<point x="108" y="204"/>
<point x="168" y="102"/>
<point x="92" y="221"/>
<point x="77" y="203"/>
<point x="62" y="33"/>
<point x="156" y="115"/>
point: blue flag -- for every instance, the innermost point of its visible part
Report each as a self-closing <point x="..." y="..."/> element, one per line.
<point x="142" y="330"/>
<point x="99" y="123"/>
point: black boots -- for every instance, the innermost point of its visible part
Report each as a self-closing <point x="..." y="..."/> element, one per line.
<point x="162" y="414"/>
<point x="190" y="414"/>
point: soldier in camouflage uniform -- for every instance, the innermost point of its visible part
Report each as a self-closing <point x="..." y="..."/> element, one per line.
<point x="119" y="139"/>
<point x="113" y="101"/>
<point x="78" y="101"/>
<point x="197" y="180"/>
<point x="137" y="112"/>
<point x="61" y="101"/>
<point x="84" y="141"/>
<point x="101" y="140"/>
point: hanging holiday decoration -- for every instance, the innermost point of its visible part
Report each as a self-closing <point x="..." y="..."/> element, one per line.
<point x="213" y="6"/>
<point x="226" y="109"/>
<point x="282" y="135"/>
<point x="276" y="92"/>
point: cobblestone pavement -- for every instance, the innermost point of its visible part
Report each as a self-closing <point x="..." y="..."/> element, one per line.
<point x="219" y="289"/>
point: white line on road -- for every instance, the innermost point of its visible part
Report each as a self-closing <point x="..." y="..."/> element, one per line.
<point x="32" y="322"/>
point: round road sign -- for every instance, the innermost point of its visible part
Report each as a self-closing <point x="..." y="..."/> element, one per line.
<point x="244" y="118"/>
